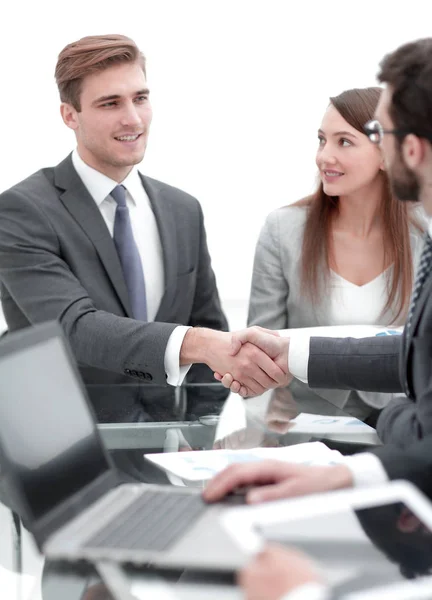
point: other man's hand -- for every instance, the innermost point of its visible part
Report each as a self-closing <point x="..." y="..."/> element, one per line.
<point x="249" y="365"/>
<point x="270" y="342"/>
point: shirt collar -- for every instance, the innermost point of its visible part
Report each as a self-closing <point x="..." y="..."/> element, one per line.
<point x="430" y="227"/>
<point x="99" y="185"/>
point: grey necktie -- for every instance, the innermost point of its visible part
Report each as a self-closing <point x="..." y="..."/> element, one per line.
<point x="127" y="251"/>
<point x="424" y="270"/>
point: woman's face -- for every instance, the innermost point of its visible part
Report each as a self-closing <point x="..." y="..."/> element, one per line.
<point x="346" y="159"/>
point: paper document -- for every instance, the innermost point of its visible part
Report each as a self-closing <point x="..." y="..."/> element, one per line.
<point x="204" y="464"/>
<point x="308" y="423"/>
<point x="354" y="331"/>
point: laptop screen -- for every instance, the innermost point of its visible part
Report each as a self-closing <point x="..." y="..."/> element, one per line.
<point x="50" y="449"/>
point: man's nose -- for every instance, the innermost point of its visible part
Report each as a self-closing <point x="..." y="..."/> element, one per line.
<point x="130" y="115"/>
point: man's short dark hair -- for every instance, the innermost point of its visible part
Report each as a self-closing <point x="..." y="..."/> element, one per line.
<point x="408" y="72"/>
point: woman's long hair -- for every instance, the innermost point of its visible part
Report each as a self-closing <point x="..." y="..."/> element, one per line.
<point x="357" y="106"/>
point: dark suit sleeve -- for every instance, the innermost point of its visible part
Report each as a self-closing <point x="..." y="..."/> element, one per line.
<point x="35" y="276"/>
<point x="413" y="463"/>
<point x="399" y="423"/>
<point x="367" y="364"/>
<point x="404" y="421"/>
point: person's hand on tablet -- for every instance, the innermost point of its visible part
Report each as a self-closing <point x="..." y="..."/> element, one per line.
<point x="275" y="572"/>
<point x="273" y="480"/>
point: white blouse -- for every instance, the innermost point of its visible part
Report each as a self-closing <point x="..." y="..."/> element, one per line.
<point x="352" y="304"/>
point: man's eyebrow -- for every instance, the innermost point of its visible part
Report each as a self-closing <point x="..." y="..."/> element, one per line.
<point x="142" y="92"/>
<point x="339" y="133"/>
<point x="106" y="98"/>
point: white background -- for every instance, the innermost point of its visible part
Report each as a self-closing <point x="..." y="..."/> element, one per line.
<point x="238" y="90"/>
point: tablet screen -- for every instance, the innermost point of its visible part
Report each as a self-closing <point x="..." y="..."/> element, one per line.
<point x="360" y="549"/>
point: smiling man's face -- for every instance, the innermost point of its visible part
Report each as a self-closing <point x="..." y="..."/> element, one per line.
<point x="113" y="124"/>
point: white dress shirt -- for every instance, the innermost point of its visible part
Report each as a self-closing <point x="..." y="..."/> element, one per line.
<point x="147" y="239"/>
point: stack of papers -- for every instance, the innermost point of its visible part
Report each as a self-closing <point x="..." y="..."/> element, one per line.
<point x="204" y="464"/>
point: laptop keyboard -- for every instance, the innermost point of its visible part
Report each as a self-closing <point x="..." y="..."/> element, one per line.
<point x="154" y="521"/>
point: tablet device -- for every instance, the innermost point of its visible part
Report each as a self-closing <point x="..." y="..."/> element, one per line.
<point x="362" y="539"/>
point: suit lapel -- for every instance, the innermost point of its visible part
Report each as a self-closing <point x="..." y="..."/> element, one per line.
<point x="418" y="309"/>
<point x="418" y="312"/>
<point x="165" y="219"/>
<point x="79" y="203"/>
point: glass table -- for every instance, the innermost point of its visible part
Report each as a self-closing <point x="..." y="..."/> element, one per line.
<point x="207" y="416"/>
<point x="195" y="417"/>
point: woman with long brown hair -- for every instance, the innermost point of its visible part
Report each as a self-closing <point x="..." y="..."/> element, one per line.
<point x="344" y="255"/>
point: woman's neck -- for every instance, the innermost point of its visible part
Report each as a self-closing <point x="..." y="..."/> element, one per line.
<point x="360" y="213"/>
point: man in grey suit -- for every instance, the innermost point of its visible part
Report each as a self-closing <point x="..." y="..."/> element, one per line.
<point x="395" y="363"/>
<point x="118" y="258"/>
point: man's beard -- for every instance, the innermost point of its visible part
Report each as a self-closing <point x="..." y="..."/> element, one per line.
<point x="403" y="182"/>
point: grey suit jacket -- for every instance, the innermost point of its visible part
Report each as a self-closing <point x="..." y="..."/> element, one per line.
<point x="276" y="300"/>
<point x="58" y="261"/>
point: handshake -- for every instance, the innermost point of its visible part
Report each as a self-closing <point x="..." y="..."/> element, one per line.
<point x="249" y="361"/>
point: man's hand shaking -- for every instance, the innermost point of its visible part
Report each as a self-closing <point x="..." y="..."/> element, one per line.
<point x="248" y="362"/>
<point x="270" y="343"/>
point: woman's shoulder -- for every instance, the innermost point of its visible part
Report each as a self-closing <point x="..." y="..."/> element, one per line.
<point x="284" y="229"/>
<point x="288" y="217"/>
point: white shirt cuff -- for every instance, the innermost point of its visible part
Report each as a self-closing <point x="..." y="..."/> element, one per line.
<point x="298" y="356"/>
<point x="175" y="373"/>
<point x="309" y="591"/>
<point x="366" y="469"/>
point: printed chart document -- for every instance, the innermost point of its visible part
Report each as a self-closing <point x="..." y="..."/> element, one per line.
<point x="324" y="424"/>
<point x="354" y="331"/>
<point x="198" y="465"/>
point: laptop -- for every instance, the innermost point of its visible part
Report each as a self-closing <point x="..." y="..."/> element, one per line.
<point x="62" y="481"/>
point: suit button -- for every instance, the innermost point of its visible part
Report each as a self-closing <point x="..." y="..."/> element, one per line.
<point x="127" y="371"/>
<point x="148" y="376"/>
<point x="134" y="373"/>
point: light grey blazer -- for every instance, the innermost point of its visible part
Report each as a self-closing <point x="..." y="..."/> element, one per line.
<point x="276" y="301"/>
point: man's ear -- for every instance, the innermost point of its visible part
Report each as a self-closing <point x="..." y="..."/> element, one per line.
<point x="413" y="151"/>
<point x="69" y="115"/>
